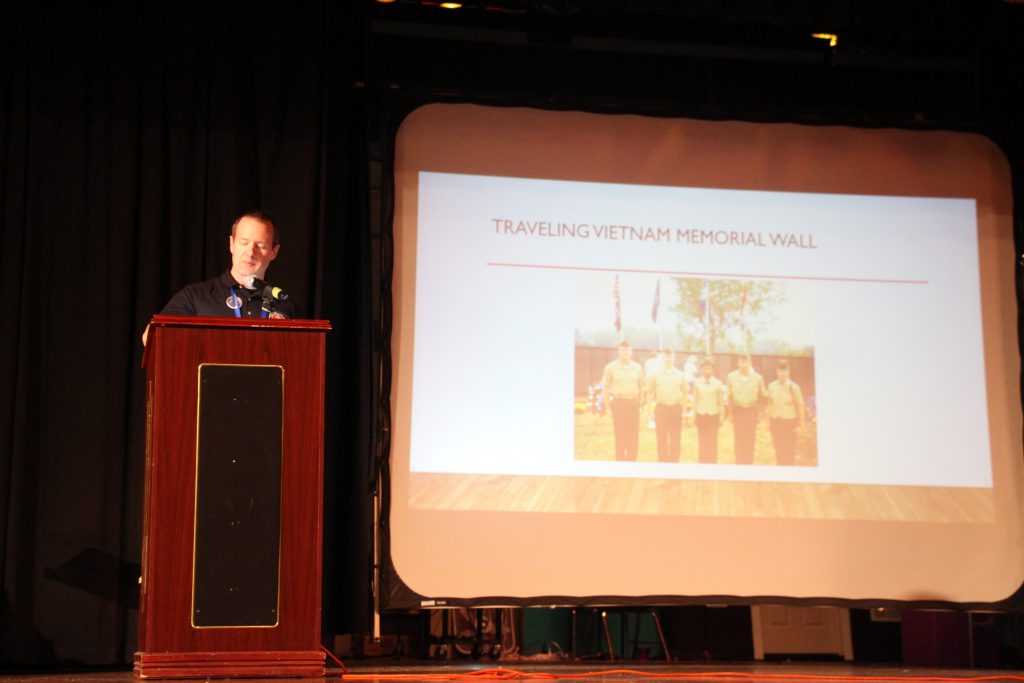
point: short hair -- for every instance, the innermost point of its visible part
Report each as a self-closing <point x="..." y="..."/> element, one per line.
<point x="262" y="217"/>
<point x="707" y="360"/>
<point x="782" y="365"/>
<point x="743" y="356"/>
<point x="667" y="352"/>
<point x="624" y="344"/>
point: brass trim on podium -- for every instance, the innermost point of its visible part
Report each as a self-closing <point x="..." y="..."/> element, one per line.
<point x="196" y="511"/>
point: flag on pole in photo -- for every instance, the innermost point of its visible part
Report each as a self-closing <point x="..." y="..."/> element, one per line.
<point x="743" y="305"/>
<point x="743" y="315"/>
<point x="617" y="301"/>
<point x="657" y="302"/>
<point x="705" y="308"/>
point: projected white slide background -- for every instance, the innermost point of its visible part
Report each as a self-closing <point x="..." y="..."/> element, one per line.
<point x="883" y="276"/>
<point x="884" y="265"/>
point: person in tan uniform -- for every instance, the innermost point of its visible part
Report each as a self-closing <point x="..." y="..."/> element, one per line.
<point x="668" y="388"/>
<point x="651" y="366"/>
<point x="787" y="413"/>
<point x="708" y="408"/>
<point x="746" y="391"/>
<point x="624" y="379"/>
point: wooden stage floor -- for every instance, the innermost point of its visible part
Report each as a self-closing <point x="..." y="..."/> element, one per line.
<point x="605" y="672"/>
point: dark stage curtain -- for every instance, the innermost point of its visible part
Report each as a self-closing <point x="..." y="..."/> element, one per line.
<point x="130" y="138"/>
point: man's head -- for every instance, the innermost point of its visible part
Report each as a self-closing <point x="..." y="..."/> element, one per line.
<point x="625" y="351"/>
<point x="707" y="366"/>
<point x="253" y="244"/>
<point x="743" y="363"/>
<point x="782" y="369"/>
<point x="668" y="358"/>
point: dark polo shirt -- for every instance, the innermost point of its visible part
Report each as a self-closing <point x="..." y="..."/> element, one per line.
<point x="215" y="297"/>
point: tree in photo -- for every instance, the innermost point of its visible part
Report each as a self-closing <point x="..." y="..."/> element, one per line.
<point x="724" y="315"/>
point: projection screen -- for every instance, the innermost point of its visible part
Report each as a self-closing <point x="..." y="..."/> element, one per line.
<point x="877" y="264"/>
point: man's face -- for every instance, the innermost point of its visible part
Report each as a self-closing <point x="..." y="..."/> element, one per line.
<point x="783" y="374"/>
<point x="625" y="353"/>
<point x="252" y="248"/>
<point x="668" y="360"/>
<point x="744" y="365"/>
<point x="707" y="369"/>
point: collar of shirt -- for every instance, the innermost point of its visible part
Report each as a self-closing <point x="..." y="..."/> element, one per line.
<point x="228" y="280"/>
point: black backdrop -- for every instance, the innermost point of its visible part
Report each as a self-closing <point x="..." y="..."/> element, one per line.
<point x="130" y="138"/>
<point x="131" y="135"/>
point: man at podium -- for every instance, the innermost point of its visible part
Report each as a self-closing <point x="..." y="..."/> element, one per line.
<point x="240" y="292"/>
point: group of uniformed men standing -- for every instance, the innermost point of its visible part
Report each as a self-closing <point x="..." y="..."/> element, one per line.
<point x="740" y="397"/>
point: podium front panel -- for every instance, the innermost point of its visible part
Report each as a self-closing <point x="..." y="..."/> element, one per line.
<point x="238" y="496"/>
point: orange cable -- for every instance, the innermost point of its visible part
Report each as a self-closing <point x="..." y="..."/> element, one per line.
<point x="330" y="654"/>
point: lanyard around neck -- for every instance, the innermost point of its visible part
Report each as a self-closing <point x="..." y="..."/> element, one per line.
<point x="238" y="311"/>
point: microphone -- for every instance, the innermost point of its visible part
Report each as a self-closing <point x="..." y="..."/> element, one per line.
<point x="269" y="290"/>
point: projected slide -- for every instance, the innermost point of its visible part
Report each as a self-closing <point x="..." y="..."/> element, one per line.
<point x="839" y="287"/>
<point x="618" y="337"/>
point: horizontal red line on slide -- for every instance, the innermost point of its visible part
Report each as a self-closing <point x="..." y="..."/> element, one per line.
<point x="699" y="274"/>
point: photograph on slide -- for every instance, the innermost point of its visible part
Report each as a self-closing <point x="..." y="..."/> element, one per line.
<point x="673" y="370"/>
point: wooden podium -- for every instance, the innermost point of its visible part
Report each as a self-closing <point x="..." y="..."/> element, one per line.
<point x="231" y="551"/>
